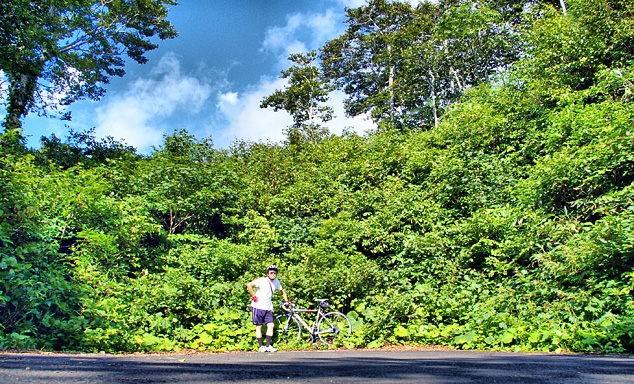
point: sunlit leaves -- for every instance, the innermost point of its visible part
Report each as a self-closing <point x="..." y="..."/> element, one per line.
<point x="58" y="52"/>
<point x="303" y="98"/>
<point x="507" y="227"/>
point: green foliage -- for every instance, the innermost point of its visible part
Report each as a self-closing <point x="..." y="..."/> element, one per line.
<point x="365" y="61"/>
<point x="565" y="52"/>
<point x="186" y="185"/>
<point x="324" y="272"/>
<point x="39" y="299"/>
<point x="404" y="66"/>
<point x="509" y="226"/>
<point x="302" y="98"/>
<point x="81" y="148"/>
<point x="58" y="52"/>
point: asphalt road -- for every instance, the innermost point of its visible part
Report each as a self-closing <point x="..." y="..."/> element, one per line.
<point x="318" y="367"/>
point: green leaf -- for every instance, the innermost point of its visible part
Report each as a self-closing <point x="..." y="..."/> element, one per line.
<point x="507" y="338"/>
<point x="205" y="338"/>
<point x="401" y="331"/>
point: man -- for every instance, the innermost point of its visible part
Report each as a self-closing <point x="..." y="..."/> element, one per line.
<point x="262" y="305"/>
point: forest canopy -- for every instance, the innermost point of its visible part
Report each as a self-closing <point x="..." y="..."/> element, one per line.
<point x="492" y="209"/>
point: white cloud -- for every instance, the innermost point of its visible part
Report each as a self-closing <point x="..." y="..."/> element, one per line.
<point x="139" y="115"/>
<point x="307" y="31"/>
<point x="325" y="26"/>
<point x="359" y="3"/>
<point x="228" y="99"/>
<point x="4" y="90"/>
<point x="278" y="37"/>
<point x="414" y="3"/>
<point x="352" y="3"/>
<point x="246" y="120"/>
<point x="359" y="124"/>
<point x="302" y="32"/>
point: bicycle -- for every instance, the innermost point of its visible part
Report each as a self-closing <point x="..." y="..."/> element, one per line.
<point x="328" y="327"/>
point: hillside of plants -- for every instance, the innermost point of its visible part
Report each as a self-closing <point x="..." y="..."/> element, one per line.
<point x="492" y="209"/>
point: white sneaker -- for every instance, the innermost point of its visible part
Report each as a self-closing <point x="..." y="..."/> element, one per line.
<point x="264" y="349"/>
<point x="271" y="349"/>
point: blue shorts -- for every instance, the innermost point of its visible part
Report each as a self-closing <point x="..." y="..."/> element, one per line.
<point x="261" y="316"/>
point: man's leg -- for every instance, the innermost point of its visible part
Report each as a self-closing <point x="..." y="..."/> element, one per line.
<point x="257" y="316"/>
<point x="258" y="334"/>
<point x="269" y="333"/>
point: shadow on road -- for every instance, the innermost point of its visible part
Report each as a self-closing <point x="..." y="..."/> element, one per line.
<point x="348" y="367"/>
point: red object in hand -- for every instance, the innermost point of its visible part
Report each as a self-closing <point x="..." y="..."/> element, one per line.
<point x="255" y="299"/>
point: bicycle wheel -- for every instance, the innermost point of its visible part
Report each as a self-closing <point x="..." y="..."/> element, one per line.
<point x="333" y="326"/>
<point x="287" y="331"/>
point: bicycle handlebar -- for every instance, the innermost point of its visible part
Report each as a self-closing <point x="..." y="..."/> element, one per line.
<point x="285" y="306"/>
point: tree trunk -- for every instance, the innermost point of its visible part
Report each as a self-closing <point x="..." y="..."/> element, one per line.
<point x="391" y="86"/>
<point x="457" y="78"/>
<point x="22" y="89"/>
<point x="563" y="7"/>
<point x="433" y="97"/>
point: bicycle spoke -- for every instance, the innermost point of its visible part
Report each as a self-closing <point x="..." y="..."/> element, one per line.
<point x="333" y="326"/>
<point x="287" y="331"/>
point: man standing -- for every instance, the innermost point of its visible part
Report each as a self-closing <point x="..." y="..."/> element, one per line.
<point x="262" y="305"/>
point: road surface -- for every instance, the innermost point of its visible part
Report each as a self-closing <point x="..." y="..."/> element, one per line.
<point x="318" y="367"/>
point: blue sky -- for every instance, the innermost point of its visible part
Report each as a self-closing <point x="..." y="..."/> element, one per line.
<point x="211" y="78"/>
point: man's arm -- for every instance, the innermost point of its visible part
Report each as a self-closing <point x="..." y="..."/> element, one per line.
<point x="250" y="289"/>
<point x="284" y="295"/>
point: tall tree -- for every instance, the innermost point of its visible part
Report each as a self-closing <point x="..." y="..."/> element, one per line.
<point x="303" y="98"/>
<point x="366" y="60"/>
<point x="404" y="65"/>
<point x="469" y="43"/>
<point x="186" y="186"/>
<point x="55" y="52"/>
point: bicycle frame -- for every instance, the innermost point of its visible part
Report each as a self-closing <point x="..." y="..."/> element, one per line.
<point x="295" y="314"/>
<point x="311" y="330"/>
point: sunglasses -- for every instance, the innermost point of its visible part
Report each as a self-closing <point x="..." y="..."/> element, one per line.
<point x="273" y="272"/>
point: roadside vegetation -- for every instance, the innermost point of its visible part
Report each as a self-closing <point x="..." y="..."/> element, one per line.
<point x="492" y="209"/>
